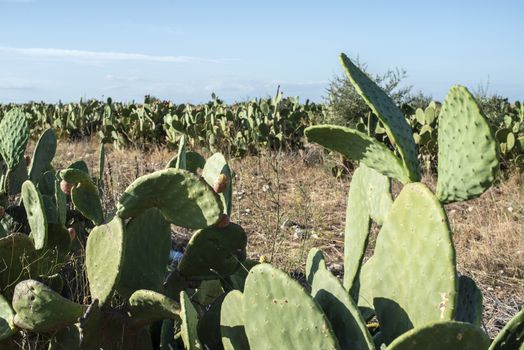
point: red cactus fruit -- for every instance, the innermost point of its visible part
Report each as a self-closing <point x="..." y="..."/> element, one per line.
<point x="221" y="183"/>
<point x="66" y="187"/>
<point x="72" y="233"/>
<point x="223" y="221"/>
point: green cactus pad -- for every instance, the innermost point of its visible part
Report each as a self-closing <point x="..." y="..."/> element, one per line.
<point x="14" y="134"/>
<point x="207" y="292"/>
<point x="181" y="156"/>
<point x="147" y="244"/>
<point x="58" y="238"/>
<point x="84" y="195"/>
<point x="181" y="196"/>
<point x="238" y="279"/>
<point x="147" y="306"/>
<point x="46" y="183"/>
<point x="402" y="279"/>
<point x="50" y="209"/>
<point x="469" y="304"/>
<point x="209" y="326"/>
<point x="214" y="252"/>
<point x="359" y="147"/>
<point x="442" y="335"/>
<point x="17" y="177"/>
<point x="232" y="322"/>
<point x="369" y="196"/>
<point x="389" y="114"/>
<point x="512" y="335"/>
<point x="279" y="314"/>
<point x="43" y="155"/>
<point x="216" y="165"/>
<point x="467" y="150"/>
<point x="189" y="316"/>
<point x="17" y="251"/>
<point x="341" y="311"/>
<point x="40" y="309"/>
<point x="104" y="259"/>
<point x="7" y="327"/>
<point x="194" y="161"/>
<point x="79" y="165"/>
<point x="61" y="203"/>
<point x="35" y="209"/>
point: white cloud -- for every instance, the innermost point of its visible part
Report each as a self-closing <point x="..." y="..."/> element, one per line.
<point x="99" y="56"/>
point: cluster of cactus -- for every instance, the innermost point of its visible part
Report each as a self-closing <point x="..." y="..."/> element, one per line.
<point x="134" y="291"/>
<point x="510" y="135"/>
<point x="237" y="129"/>
<point x="410" y="283"/>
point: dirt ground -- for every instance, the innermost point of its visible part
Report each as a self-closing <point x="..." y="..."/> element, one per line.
<point x="289" y="203"/>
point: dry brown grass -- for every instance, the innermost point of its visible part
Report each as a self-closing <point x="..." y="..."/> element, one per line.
<point x="288" y="204"/>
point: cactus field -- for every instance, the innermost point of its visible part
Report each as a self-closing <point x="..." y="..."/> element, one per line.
<point x="164" y="226"/>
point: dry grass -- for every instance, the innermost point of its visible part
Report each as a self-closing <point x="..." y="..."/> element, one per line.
<point x="290" y="203"/>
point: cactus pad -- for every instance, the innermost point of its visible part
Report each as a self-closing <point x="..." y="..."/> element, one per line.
<point x="232" y="322"/>
<point x="467" y="150"/>
<point x="358" y="146"/>
<point x="147" y="306"/>
<point x="7" y="327"/>
<point x="348" y="325"/>
<point x="214" y="167"/>
<point x="104" y="258"/>
<point x="84" y="195"/>
<point x="469" y="304"/>
<point x="209" y="326"/>
<point x="279" y="314"/>
<point x="214" y="252"/>
<point x="40" y="309"/>
<point x="389" y="114"/>
<point x="16" y="252"/>
<point x="43" y="155"/>
<point x="181" y="196"/>
<point x="34" y="207"/>
<point x="369" y="196"/>
<point x="14" y="134"/>
<point x="512" y="335"/>
<point x="147" y="244"/>
<point x="189" y="317"/>
<point x="67" y="338"/>
<point x="442" y="335"/>
<point x="407" y="290"/>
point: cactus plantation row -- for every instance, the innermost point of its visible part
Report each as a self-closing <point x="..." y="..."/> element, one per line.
<point x="408" y="295"/>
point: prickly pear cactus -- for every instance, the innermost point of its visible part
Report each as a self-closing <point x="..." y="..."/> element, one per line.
<point x="232" y="322"/>
<point x="218" y="175"/>
<point x="279" y="314"/>
<point x="389" y="114"/>
<point x="189" y="317"/>
<point x="181" y="196"/>
<point x="209" y="326"/>
<point x="147" y="244"/>
<point x="14" y="134"/>
<point x="16" y="252"/>
<point x="104" y="259"/>
<point x="411" y="279"/>
<point x="369" y="197"/>
<point x="512" y="335"/>
<point x="40" y="309"/>
<point x="358" y="146"/>
<point x="147" y="306"/>
<point x="442" y="335"/>
<point x="348" y="325"/>
<point x="84" y="194"/>
<point x="7" y="327"/>
<point x="43" y="155"/>
<point x="214" y="252"/>
<point x="469" y="303"/>
<point x="467" y="150"/>
<point x="36" y="216"/>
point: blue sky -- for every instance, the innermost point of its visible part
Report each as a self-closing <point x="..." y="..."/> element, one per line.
<point x="184" y="50"/>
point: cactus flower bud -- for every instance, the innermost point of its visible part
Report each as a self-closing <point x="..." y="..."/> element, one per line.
<point x="221" y="183"/>
<point x="223" y="221"/>
<point x="72" y="233"/>
<point x="66" y="187"/>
